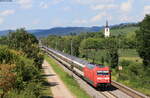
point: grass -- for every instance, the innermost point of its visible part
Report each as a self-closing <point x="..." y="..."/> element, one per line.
<point x="46" y="90"/>
<point x="46" y="87"/>
<point x="134" y="59"/>
<point x="128" y="53"/>
<point x="1" y="91"/>
<point x="71" y="84"/>
<point x="137" y="88"/>
<point x="123" y="30"/>
<point x="130" y="84"/>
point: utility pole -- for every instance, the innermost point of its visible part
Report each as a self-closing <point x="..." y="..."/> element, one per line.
<point x="56" y="45"/>
<point x="40" y="43"/>
<point x="47" y="42"/>
<point x="71" y="47"/>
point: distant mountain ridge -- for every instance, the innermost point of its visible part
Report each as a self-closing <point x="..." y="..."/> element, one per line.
<point x="67" y="30"/>
<point x="58" y="31"/>
<point x="64" y="31"/>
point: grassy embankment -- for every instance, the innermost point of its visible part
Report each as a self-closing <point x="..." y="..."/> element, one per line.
<point x="68" y="80"/>
<point x="47" y="93"/>
<point x="130" y="84"/>
<point x="131" y="56"/>
<point x="46" y="90"/>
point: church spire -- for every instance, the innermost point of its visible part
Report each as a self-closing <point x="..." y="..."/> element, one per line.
<point x="106" y="23"/>
<point x="107" y="30"/>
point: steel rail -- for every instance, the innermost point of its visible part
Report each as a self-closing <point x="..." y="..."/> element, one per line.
<point x="128" y="90"/>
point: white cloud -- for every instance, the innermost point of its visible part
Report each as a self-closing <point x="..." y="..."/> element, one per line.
<point x="1" y="20"/>
<point x="93" y="1"/>
<point x="98" y="17"/>
<point x="36" y="21"/>
<point x="80" y="21"/>
<point x="147" y="9"/>
<point x="7" y="12"/>
<point x="44" y="5"/>
<point x="104" y="6"/>
<point x="25" y="3"/>
<point x="126" y="6"/>
<point x="56" y="1"/>
<point x="67" y="8"/>
<point x="125" y="18"/>
<point x="56" y="23"/>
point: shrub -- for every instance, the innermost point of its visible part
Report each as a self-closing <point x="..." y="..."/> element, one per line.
<point x="20" y="94"/>
<point x="125" y="63"/>
<point x="18" y="72"/>
<point x="136" y="69"/>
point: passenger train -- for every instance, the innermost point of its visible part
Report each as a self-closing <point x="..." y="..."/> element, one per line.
<point x="96" y="74"/>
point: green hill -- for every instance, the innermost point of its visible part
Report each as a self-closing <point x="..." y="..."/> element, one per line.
<point x="124" y="30"/>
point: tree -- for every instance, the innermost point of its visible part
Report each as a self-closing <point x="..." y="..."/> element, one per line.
<point x="143" y="40"/>
<point x="3" y="40"/>
<point x="112" y="52"/>
<point x="90" y="44"/>
<point x="23" y="41"/>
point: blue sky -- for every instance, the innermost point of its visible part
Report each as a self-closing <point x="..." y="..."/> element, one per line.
<point x="43" y="14"/>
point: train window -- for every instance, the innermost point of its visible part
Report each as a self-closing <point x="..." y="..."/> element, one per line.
<point x="102" y="72"/>
<point x="100" y="65"/>
<point x="90" y="66"/>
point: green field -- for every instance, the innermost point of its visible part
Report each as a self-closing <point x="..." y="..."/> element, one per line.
<point x="128" y="53"/>
<point x="124" y="54"/>
<point x="123" y="30"/>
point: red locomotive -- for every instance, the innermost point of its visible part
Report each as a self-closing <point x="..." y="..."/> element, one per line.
<point x="97" y="75"/>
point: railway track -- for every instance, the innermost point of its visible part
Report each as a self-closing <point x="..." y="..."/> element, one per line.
<point x="87" y="87"/>
<point x="108" y="94"/>
<point x="116" y="91"/>
<point x="128" y="90"/>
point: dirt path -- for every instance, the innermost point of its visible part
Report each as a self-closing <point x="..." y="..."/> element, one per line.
<point x="59" y="90"/>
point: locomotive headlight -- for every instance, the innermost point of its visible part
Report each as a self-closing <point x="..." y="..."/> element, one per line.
<point x="99" y="78"/>
<point x="105" y="78"/>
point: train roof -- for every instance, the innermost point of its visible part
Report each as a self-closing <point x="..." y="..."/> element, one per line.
<point x="79" y="60"/>
<point x="98" y="65"/>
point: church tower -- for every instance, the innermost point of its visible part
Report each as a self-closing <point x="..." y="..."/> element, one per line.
<point x="107" y="30"/>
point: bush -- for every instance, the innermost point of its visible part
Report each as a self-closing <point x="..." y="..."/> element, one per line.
<point x="21" y="94"/>
<point x="7" y="56"/>
<point x="125" y="63"/>
<point x="38" y="61"/>
<point x="136" y="69"/>
<point x="21" y="76"/>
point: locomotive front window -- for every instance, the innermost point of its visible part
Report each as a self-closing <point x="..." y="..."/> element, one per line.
<point x="90" y="66"/>
<point x="102" y="72"/>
